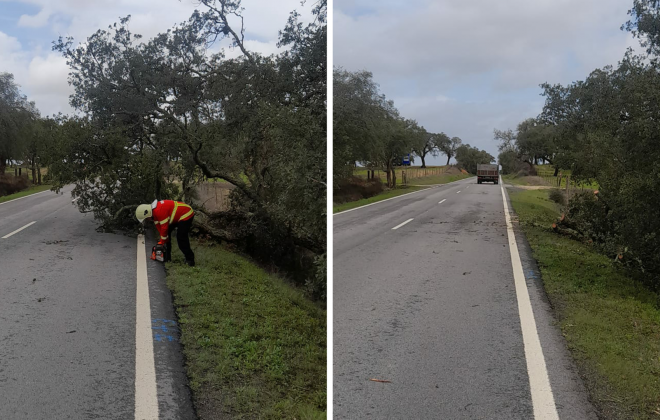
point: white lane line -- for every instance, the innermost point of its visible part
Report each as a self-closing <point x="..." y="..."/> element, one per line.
<point x="146" y="398"/>
<point x="443" y="200"/>
<point x="398" y="226"/>
<point x="458" y="192"/>
<point x="543" y="400"/>
<point x="398" y="196"/>
<point x="381" y="201"/>
<point x="26" y="196"/>
<point x="18" y="230"/>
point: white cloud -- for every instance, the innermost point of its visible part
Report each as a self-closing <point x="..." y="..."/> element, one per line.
<point x="489" y="57"/>
<point x="35" y="21"/>
<point x="43" y="74"/>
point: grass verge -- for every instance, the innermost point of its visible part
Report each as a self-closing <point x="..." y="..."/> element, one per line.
<point x="380" y="197"/>
<point x="31" y="190"/>
<point x="438" y="179"/>
<point x="255" y="347"/>
<point x="611" y="322"/>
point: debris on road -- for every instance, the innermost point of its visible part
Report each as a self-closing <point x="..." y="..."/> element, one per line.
<point x="381" y="380"/>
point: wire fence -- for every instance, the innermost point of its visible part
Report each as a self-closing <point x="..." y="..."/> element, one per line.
<point x="563" y="181"/>
<point x="403" y="174"/>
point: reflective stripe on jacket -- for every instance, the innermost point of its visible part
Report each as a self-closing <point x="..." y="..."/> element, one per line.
<point x="169" y="212"/>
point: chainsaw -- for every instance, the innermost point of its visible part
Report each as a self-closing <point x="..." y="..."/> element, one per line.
<point x="158" y="253"/>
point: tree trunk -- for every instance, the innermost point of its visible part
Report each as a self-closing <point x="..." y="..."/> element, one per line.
<point x="3" y="164"/>
<point x="448" y="159"/>
<point x="556" y="171"/>
<point x="389" y="174"/>
<point x="39" y="174"/>
<point x="34" y="172"/>
<point x="393" y="178"/>
<point x="423" y="160"/>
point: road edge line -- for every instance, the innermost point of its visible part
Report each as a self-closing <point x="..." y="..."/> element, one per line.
<point x="398" y="196"/>
<point x="543" y="401"/>
<point x="146" y="396"/>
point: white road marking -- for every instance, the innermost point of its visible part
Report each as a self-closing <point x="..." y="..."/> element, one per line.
<point x="392" y="198"/>
<point x="378" y="202"/>
<point x="26" y="196"/>
<point x="457" y="192"/>
<point x="543" y="400"/>
<point x="443" y="200"/>
<point x="398" y="226"/>
<point x="146" y="398"/>
<point x="75" y="199"/>
<point x="467" y="187"/>
<point x="18" y="230"/>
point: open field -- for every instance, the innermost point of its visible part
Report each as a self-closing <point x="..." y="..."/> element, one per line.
<point x="31" y="190"/>
<point x="255" y="346"/>
<point x="439" y="179"/>
<point x="610" y="321"/>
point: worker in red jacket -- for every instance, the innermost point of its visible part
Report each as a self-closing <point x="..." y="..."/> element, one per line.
<point x="167" y="216"/>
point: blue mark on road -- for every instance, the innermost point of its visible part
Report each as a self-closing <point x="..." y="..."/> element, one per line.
<point x="165" y="326"/>
<point x="161" y="337"/>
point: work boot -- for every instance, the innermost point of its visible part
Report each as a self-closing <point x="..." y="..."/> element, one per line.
<point x="190" y="262"/>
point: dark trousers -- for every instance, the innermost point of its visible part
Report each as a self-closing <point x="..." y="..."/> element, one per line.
<point x="182" y="238"/>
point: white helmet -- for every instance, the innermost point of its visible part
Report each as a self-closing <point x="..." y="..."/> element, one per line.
<point x="142" y="212"/>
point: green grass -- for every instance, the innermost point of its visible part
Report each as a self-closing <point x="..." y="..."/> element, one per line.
<point x="385" y="195"/>
<point x="512" y="179"/>
<point x="611" y="322"/>
<point x="255" y="347"/>
<point x="438" y="179"/>
<point x="31" y="190"/>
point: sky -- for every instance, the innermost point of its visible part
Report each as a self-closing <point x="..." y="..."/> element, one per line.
<point x="28" y="28"/>
<point x="466" y="68"/>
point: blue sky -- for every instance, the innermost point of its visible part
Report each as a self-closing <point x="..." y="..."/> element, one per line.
<point x="468" y="67"/>
<point x="28" y="28"/>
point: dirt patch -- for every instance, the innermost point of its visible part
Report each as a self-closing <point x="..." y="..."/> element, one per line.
<point x="452" y="170"/>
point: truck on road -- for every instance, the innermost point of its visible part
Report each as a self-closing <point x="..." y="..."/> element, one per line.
<point x="488" y="173"/>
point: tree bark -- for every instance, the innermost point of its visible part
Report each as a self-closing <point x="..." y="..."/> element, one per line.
<point x="423" y="160"/>
<point x="448" y="159"/>
<point x="3" y="164"/>
<point x="556" y="171"/>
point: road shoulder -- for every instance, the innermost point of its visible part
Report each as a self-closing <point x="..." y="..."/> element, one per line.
<point x="174" y="396"/>
<point x="571" y="396"/>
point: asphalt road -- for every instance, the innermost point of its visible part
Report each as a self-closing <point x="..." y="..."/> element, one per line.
<point x="430" y="306"/>
<point x="68" y="318"/>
